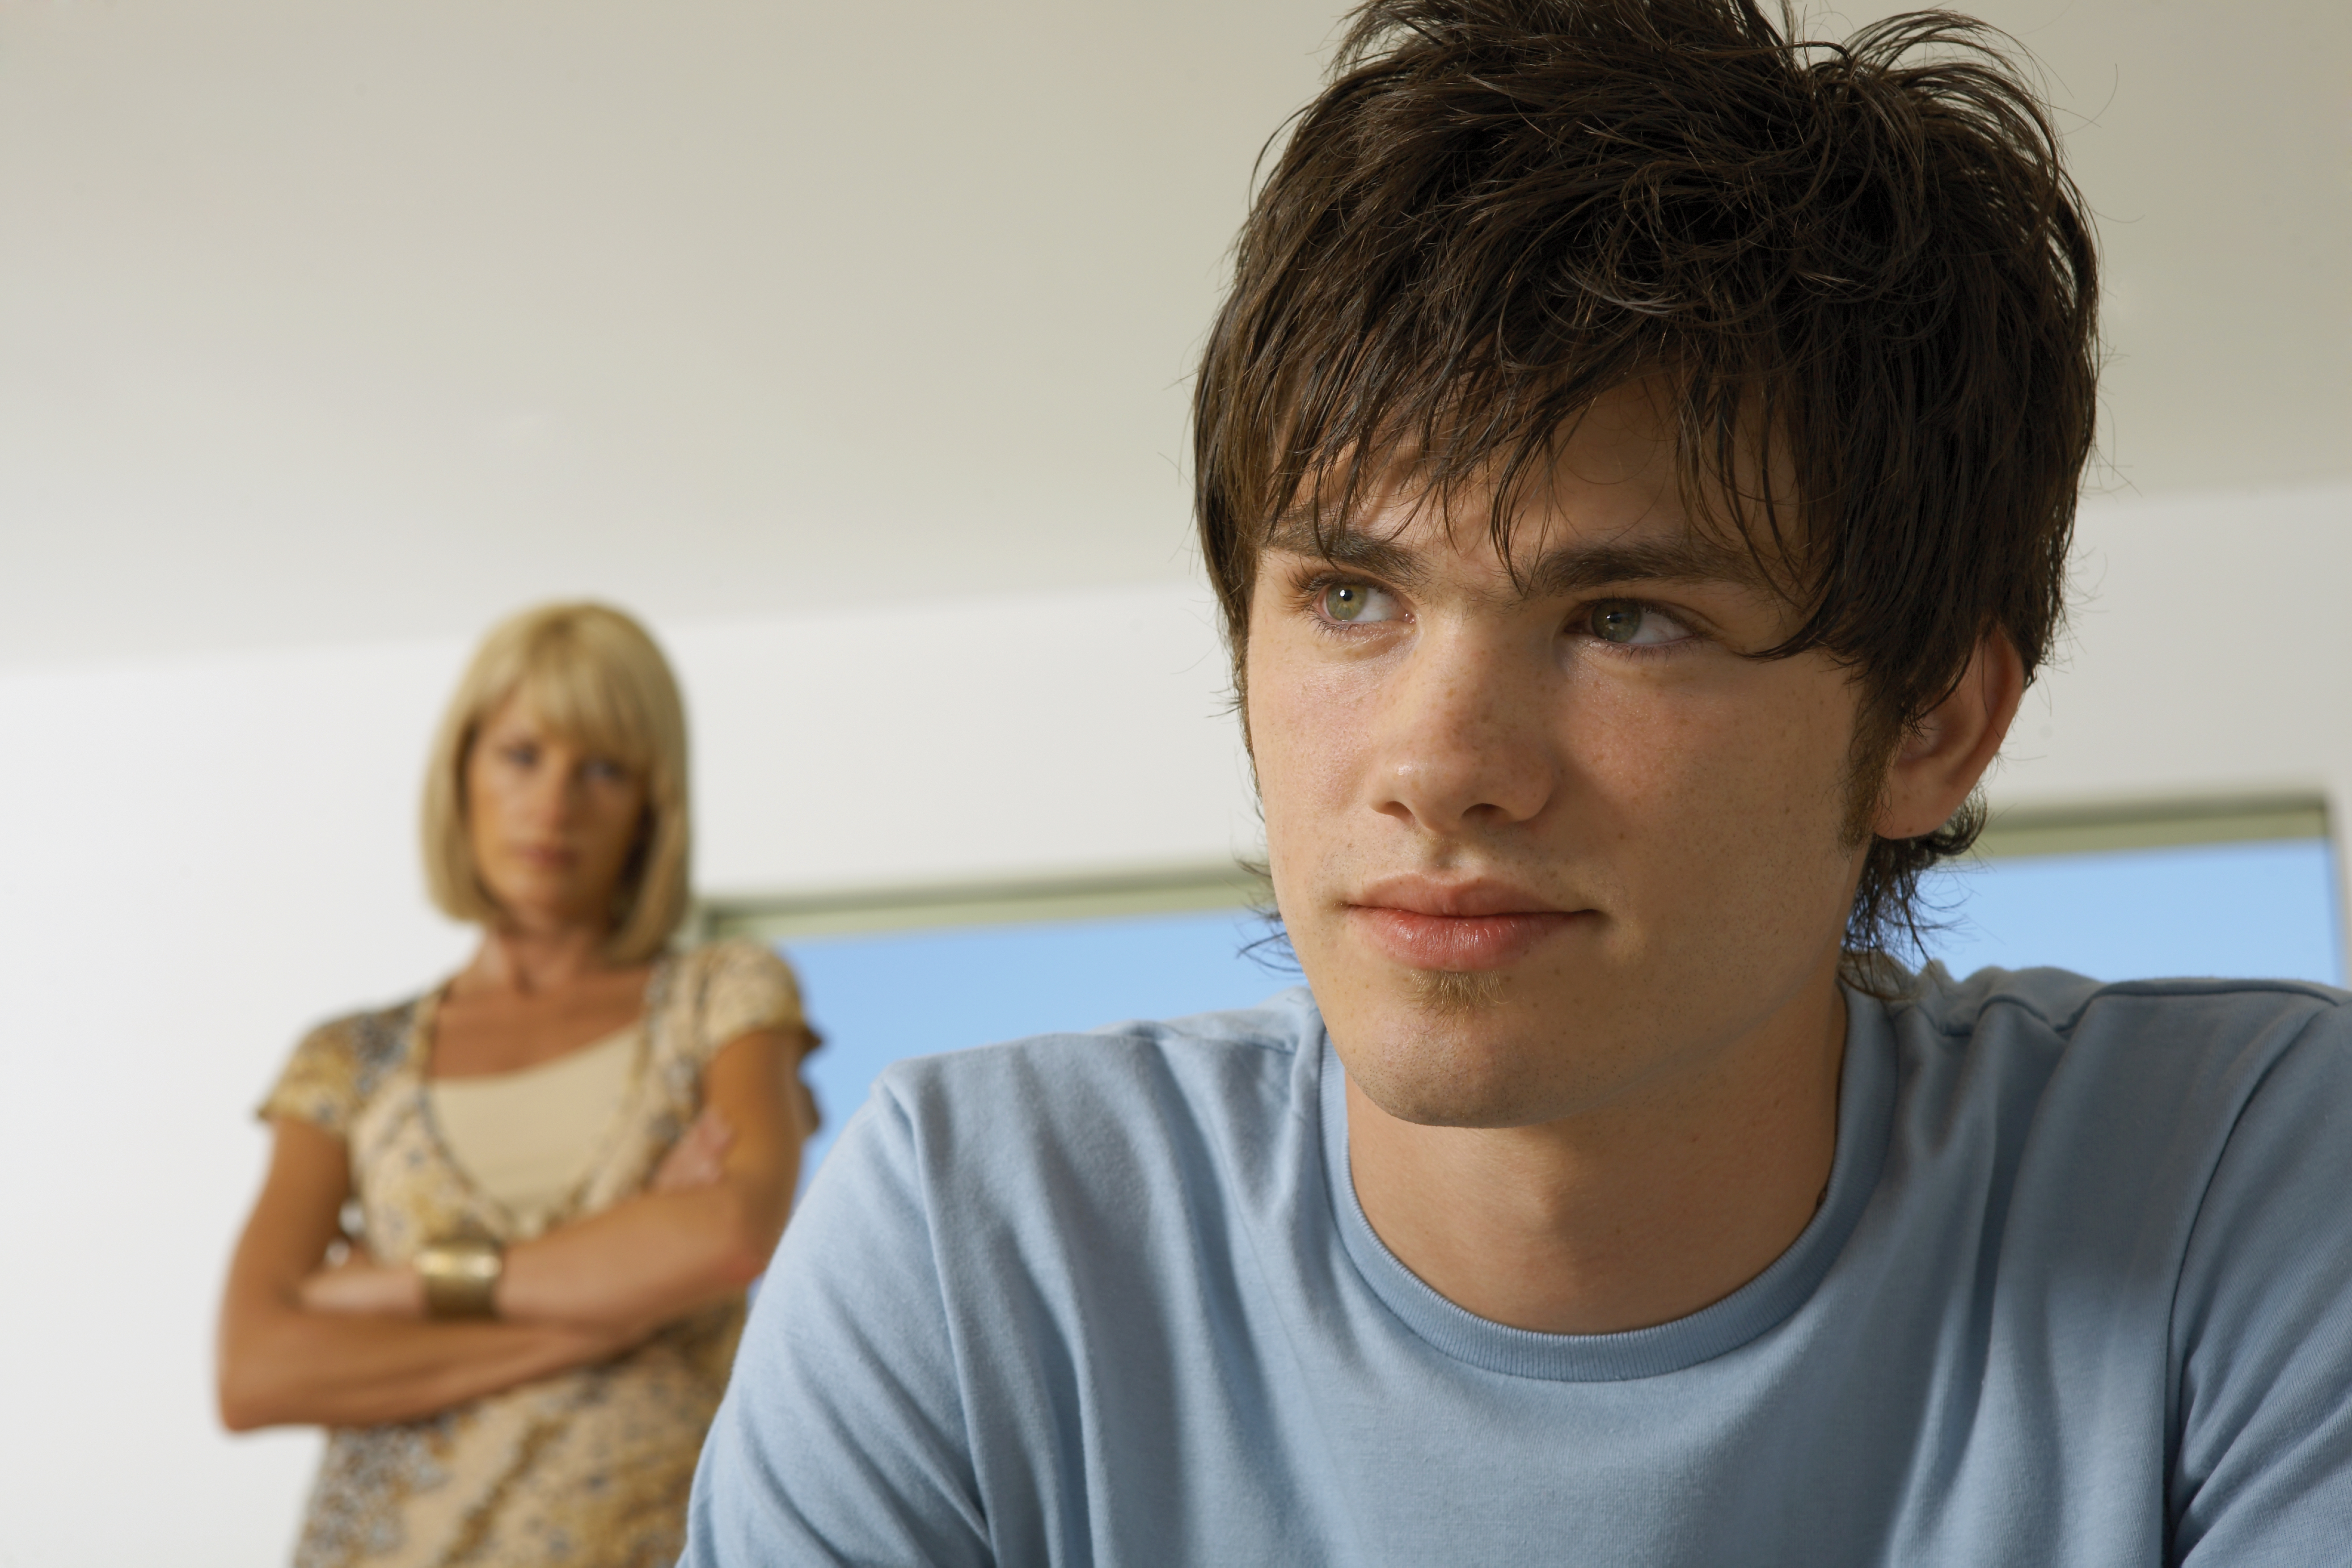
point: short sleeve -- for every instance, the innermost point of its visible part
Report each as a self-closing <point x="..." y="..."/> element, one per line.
<point x="320" y="1083"/>
<point x="2263" y="1469"/>
<point x="843" y="1437"/>
<point x="745" y="988"/>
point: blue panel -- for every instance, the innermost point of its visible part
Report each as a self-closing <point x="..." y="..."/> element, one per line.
<point x="2264" y="910"/>
<point x="877" y="998"/>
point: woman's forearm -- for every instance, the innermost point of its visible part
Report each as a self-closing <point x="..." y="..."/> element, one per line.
<point x="648" y="1260"/>
<point x="706" y="1230"/>
<point x="288" y="1366"/>
<point x="667" y="1252"/>
<point x="283" y="1365"/>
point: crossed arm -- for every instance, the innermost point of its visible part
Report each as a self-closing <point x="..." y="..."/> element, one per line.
<point x="305" y="1344"/>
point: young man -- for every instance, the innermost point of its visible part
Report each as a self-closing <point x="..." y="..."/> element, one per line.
<point x="1637" y="459"/>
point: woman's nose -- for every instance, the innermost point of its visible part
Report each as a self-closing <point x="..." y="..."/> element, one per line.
<point x="549" y="794"/>
<point x="1464" y="735"/>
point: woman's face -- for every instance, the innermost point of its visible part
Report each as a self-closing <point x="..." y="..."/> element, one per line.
<point x="553" y="823"/>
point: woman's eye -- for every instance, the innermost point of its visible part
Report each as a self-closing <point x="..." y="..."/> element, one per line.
<point x="522" y="754"/>
<point x="1629" y="624"/>
<point x="603" y="769"/>
<point x="1353" y="603"/>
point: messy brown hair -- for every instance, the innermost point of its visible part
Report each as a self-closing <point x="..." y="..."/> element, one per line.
<point x="1864" y="255"/>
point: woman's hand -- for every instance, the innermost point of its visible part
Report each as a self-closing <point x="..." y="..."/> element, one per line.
<point x="360" y="1285"/>
<point x="697" y="1159"/>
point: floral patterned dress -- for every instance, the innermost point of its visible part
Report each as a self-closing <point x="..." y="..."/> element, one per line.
<point x="589" y="1467"/>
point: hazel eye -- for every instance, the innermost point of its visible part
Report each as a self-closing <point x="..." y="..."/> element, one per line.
<point x="1635" y="625"/>
<point x="1354" y="603"/>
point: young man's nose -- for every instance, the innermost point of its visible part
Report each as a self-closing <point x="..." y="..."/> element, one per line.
<point x="1462" y="740"/>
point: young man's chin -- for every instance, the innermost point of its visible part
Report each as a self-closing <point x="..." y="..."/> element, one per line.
<point x="1454" y="1048"/>
<point x="1455" y="993"/>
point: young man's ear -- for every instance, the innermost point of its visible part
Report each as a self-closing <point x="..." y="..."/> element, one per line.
<point x="1943" y="756"/>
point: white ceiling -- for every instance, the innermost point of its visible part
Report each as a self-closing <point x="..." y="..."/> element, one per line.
<point x="371" y="320"/>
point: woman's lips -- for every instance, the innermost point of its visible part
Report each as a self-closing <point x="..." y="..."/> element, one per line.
<point x="1455" y="941"/>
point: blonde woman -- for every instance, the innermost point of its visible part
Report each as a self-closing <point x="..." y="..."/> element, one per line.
<point x="566" y="1162"/>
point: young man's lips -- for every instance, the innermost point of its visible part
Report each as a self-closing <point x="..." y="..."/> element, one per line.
<point x="1457" y="941"/>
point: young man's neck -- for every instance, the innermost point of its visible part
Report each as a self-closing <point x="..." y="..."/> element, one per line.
<point x="1625" y="1216"/>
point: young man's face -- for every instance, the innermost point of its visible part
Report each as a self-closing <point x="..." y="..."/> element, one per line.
<point x="1542" y="849"/>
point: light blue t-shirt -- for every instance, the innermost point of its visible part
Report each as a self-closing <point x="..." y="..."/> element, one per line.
<point x="2080" y="1293"/>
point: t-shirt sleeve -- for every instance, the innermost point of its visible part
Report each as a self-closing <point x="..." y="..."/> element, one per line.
<point x="745" y="988"/>
<point x="842" y="1437"/>
<point x="320" y="1083"/>
<point x="2262" y="1325"/>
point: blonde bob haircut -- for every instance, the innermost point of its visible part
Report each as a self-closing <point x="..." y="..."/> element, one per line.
<point x="595" y="677"/>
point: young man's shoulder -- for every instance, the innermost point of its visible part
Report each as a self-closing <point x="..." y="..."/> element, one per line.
<point x="2045" y="1028"/>
<point x="1239" y="1062"/>
<point x="2155" y="1105"/>
<point x="1068" y="1130"/>
<point x="2063" y="1003"/>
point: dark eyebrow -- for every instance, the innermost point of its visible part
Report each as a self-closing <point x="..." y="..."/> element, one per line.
<point x="1570" y="569"/>
<point x="1384" y="558"/>
<point x="1574" y="569"/>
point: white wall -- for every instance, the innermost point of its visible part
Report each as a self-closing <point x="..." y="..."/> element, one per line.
<point x="2209" y="652"/>
<point x="848" y="344"/>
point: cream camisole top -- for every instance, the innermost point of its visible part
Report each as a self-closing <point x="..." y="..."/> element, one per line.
<point x="527" y="1138"/>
